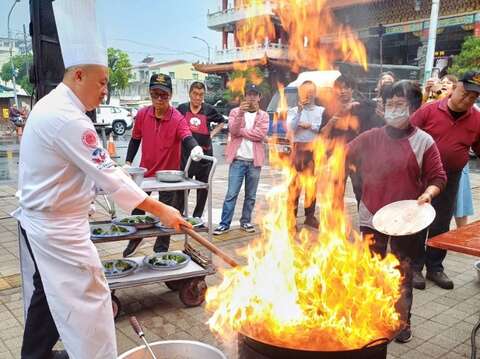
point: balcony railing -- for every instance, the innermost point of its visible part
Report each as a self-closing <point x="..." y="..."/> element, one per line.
<point x="252" y="52"/>
<point x="220" y="19"/>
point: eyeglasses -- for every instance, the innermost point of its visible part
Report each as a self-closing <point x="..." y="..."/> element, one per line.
<point x="162" y="95"/>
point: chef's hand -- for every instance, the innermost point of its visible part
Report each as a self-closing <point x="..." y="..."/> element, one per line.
<point x="196" y="153"/>
<point x="172" y="218"/>
<point x="424" y="198"/>
<point x="305" y="125"/>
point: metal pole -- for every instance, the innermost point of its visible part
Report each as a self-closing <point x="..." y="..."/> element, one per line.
<point x="206" y="43"/>
<point x="381" y="53"/>
<point x="26" y="49"/>
<point x="432" y="39"/>
<point x="11" y="50"/>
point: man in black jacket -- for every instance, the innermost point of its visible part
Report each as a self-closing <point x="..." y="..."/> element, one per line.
<point x="199" y="117"/>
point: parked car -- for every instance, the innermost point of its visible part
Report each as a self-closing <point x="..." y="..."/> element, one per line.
<point x="118" y="119"/>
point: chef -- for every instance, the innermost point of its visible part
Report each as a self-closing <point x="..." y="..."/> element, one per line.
<point x="61" y="162"/>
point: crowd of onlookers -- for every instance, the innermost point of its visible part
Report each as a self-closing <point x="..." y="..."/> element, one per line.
<point x="407" y="143"/>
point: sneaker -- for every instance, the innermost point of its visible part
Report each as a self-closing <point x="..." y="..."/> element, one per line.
<point x="247" y="227"/>
<point x="221" y="229"/>
<point x="405" y="335"/>
<point x="312" y="222"/>
<point x="418" y="280"/>
<point x="131" y="247"/>
<point x="440" y="279"/>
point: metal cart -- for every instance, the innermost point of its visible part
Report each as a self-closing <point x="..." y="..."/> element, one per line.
<point x="190" y="280"/>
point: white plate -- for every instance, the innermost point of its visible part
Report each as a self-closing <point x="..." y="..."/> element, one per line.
<point x="403" y="218"/>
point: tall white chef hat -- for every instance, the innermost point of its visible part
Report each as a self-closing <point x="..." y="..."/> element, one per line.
<point x="78" y="33"/>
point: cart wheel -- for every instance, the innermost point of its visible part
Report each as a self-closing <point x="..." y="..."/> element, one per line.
<point x="116" y="306"/>
<point x="192" y="293"/>
<point x="174" y="285"/>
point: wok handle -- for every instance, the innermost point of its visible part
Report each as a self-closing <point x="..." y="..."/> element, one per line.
<point x="136" y="326"/>
<point x="213" y="248"/>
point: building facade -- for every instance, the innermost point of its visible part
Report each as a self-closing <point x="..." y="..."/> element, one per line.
<point x="405" y="22"/>
<point x="181" y="72"/>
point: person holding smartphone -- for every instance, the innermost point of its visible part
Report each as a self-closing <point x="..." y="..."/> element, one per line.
<point x="245" y="152"/>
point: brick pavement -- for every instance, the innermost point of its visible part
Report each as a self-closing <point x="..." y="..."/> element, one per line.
<point x="441" y="320"/>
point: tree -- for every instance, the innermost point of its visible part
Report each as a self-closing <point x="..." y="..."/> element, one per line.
<point x="120" y="70"/>
<point x="469" y="57"/>
<point x="20" y="63"/>
<point x="215" y="89"/>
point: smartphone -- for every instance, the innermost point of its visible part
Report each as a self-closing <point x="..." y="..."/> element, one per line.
<point x="435" y="73"/>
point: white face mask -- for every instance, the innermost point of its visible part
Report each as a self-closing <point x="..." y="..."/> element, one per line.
<point x="397" y="117"/>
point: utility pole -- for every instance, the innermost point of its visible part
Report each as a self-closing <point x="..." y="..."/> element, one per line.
<point x="26" y="49"/>
<point x="11" y="50"/>
<point x="206" y="43"/>
<point x="432" y="39"/>
<point x="381" y="32"/>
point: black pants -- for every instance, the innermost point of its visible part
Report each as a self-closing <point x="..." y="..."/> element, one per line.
<point x="304" y="163"/>
<point x="163" y="242"/>
<point x="40" y="333"/>
<point x="444" y="205"/>
<point x="199" y="171"/>
<point x="405" y="249"/>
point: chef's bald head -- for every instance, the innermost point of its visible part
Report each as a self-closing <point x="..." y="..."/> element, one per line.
<point x="88" y="82"/>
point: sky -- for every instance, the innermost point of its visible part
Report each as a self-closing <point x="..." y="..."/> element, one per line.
<point x="160" y="28"/>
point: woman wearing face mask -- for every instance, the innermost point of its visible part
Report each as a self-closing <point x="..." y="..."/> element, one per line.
<point x="397" y="162"/>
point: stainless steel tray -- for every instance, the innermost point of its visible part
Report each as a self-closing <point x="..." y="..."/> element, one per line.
<point x="170" y="176"/>
<point x="137" y="225"/>
<point x="117" y="273"/>
<point x="106" y="227"/>
<point x="146" y="262"/>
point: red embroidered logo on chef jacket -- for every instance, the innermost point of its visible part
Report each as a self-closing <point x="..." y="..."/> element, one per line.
<point x="89" y="138"/>
<point x="197" y="123"/>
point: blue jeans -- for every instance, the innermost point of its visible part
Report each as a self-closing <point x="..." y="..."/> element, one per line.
<point x="238" y="171"/>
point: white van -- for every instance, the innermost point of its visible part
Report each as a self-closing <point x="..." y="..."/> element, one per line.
<point x="323" y="80"/>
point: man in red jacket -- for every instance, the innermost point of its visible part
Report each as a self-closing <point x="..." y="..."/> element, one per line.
<point x="161" y="130"/>
<point x="454" y="124"/>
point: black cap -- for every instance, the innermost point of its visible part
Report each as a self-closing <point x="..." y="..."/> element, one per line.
<point x="162" y="82"/>
<point x="471" y="81"/>
<point x="252" y="88"/>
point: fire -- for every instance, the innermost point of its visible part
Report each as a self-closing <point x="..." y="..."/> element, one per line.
<point x="320" y="290"/>
<point x="315" y="291"/>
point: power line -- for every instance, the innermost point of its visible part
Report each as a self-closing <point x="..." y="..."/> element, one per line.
<point x="161" y="47"/>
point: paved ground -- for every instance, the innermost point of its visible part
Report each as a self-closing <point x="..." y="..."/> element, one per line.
<point x="442" y="320"/>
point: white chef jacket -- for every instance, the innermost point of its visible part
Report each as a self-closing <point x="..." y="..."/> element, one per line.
<point x="61" y="161"/>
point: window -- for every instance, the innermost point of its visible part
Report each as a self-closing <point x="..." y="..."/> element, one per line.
<point x="195" y="76"/>
<point x="172" y="75"/>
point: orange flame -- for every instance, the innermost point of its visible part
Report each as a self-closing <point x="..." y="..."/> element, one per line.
<point x="317" y="291"/>
<point x="312" y="291"/>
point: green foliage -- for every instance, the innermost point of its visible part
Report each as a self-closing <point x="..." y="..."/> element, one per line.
<point x="469" y="57"/>
<point x="20" y="63"/>
<point x="119" y="68"/>
<point x="215" y="89"/>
